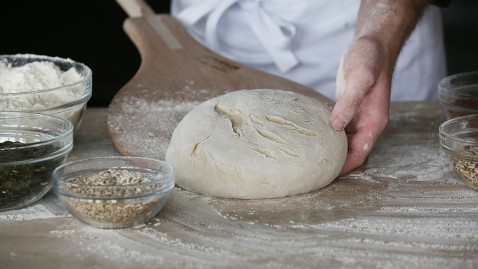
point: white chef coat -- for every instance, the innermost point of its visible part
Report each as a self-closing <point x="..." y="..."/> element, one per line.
<point x="303" y="40"/>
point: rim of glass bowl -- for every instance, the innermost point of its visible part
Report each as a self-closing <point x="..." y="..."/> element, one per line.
<point x="167" y="178"/>
<point x="442" y="85"/>
<point x="445" y="136"/>
<point x="65" y="135"/>
<point x="85" y="79"/>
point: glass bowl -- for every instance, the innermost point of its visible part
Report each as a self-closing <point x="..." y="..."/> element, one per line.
<point x="24" y="87"/>
<point x="459" y="139"/>
<point x="31" y="146"/>
<point x="458" y="94"/>
<point x="114" y="192"/>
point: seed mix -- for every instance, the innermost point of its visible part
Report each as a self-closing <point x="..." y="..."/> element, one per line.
<point x="121" y="204"/>
<point x="467" y="169"/>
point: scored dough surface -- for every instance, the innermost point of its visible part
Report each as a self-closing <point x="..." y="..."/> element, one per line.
<point x="253" y="144"/>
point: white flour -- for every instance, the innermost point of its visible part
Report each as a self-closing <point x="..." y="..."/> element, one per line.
<point x="402" y="211"/>
<point x="34" y="76"/>
<point x="17" y="85"/>
<point x="37" y="211"/>
<point x="149" y="124"/>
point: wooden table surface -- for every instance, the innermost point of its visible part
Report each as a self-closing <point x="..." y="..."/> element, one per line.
<point x="404" y="209"/>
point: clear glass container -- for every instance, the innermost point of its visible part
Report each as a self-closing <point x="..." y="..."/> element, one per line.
<point x="459" y="139"/>
<point x="68" y="101"/>
<point x="114" y="192"/>
<point x="458" y="94"/>
<point x="31" y="146"/>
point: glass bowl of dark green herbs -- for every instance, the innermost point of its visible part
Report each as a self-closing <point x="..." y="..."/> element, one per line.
<point x="32" y="145"/>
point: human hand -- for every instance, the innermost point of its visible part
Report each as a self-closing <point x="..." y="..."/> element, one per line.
<point x="363" y="99"/>
<point x="365" y="73"/>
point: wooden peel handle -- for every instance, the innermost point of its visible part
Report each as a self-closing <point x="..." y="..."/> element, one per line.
<point x="136" y="8"/>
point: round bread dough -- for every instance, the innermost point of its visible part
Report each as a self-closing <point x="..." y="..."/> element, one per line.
<point x="253" y="144"/>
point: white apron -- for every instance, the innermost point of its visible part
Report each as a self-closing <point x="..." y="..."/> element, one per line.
<point x="304" y="40"/>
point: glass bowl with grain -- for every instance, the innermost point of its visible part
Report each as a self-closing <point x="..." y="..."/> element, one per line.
<point x="459" y="139"/>
<point x="116" y="191"/>
<point x="45" y="84"/>
<point x="458" y="94"/>
<point x="32" y="145"/>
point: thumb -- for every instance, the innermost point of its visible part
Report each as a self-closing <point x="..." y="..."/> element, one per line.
<point x="340" y="79"/>
<point x="352" y="84"/>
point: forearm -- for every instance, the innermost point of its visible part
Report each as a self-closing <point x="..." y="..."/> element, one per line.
<point x="364" y="78"/>
<point x="388" y="23"/>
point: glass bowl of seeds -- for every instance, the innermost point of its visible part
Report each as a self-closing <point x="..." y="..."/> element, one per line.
<point x="32" y="145"/>
<point x="458" y="94"/>
<point x="114" y="192"/>
<point x="459" y="139"/>
<point x="45" y="84"/>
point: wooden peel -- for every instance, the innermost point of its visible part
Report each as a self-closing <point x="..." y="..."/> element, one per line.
<point x="177" y="68"/>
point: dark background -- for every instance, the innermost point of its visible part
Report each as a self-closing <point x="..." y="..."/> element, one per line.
<point x="91" y="31"/>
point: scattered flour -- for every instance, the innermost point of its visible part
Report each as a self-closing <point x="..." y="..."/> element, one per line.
<point x="110" y="245"/>
<point x="35" y="212"/>
<point x="402" y="210"/>
<point x="145" y="127"/>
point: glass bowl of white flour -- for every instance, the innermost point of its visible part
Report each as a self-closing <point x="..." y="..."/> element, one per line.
<point x="49" y="85"/>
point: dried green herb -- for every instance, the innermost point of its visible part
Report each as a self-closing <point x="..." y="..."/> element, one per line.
<point x="22" y="183"/>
